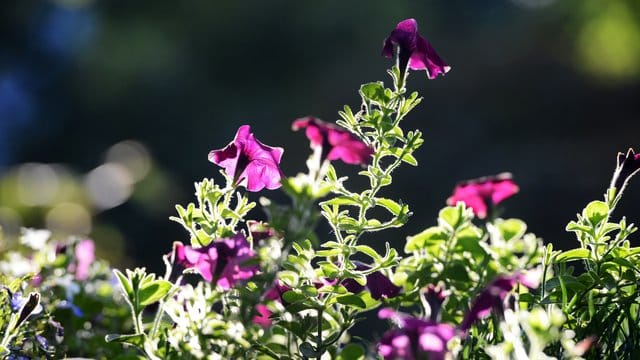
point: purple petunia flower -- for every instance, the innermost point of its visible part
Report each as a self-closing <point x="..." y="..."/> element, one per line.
<point x="85" y="255"/>
<point x="336" y="143"/>
<point x="627" y="166"/>
<point x="484" y="193"/>
<point x="414" y="51"/>
<point x="249" y="162"/>
<point x="493" y="296"/>
<point x="377" y="283"/>
<point x="415" y="338"/>
<point x="262" y="318"/>
<point x="222" y="261"/>
<point x="435" y="295"/>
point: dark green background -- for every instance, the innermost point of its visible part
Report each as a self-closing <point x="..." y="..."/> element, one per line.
<point x="550" y="93"/>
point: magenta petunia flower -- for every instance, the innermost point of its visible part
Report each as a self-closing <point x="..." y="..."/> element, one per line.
<point x="484" y="193"/>
<point x="377" y="283"/>
<point x="336" y="142"/>
<point x="627" y="166"/>
<point x="493" y="296"/>
<point x="414" y="339"/>
<point x="413" y="50"/>
<point x="85" y="255"/>
<point x="222" y="261"/>
<point x="249" y="162"/>
<point x="262" y="318"/>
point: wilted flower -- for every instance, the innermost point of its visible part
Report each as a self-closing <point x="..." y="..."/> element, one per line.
<point x="484" y="193"/>
<point x="85" y="255"/>
<point x="628" y="165"/>
<point x="336" y="143"/>
<point x="222" y="261"/>
<point x="413" y="50"/>
<point x="377" y="283"/>
<point x="249" y="162"/>
<point x="493" y="296"/>
<point x="414" y="339"/>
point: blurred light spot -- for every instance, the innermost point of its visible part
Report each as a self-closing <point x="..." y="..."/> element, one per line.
<point x="609" y="43"/>
<point x="109" y="185"/>
<point x="533" y="4"/>
<point x="67" y="30"/>
<point x="133" y="156"/>
<point x="10" y="222"/>
<point x="37" y="184"/>
<point x="69" y="218"/>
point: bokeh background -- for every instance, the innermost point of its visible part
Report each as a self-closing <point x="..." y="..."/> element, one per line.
<point x="108" y="109"/>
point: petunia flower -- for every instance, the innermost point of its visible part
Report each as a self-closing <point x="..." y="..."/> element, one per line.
<point x="336" y="143"/>
<point x="493" y="296"/>
<point x="414" y="338"/>
<point x="262" y="318"/>
<point x="434" y="295"/>
<point x="85" y="255"/>
<point x="413" y="50"/>
<point x="249" y="162"/>
<point x="627" y="166"/>
<point x="484" y="193"/>
<point x="377" y="283"/>
<point x="273" y="294"/>
<point x="222" y="261"/>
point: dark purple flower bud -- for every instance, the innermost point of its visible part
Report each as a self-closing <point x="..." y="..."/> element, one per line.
<point x="414" y="51"/>
<point x="336" y="143"/>
<point x="628" y="165"/>
<point x="434" y="296"/>
<point x="377" y="283"/>
<point x="260" y="230"/>
<point x="415" y="338"/>
<point x="222" y="261"/>
<point x="249" y="162"/>
<point x="30" y="306"/>
<point x="484" y="193"/>
<point x="493" y="296"/>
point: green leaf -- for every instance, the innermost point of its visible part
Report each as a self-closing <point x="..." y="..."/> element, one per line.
<point x="351" y="352"/>
<point x="451" y="215"/>
<point x="596" y="211"/>
<point x="125" y="283"/>
<point x="390" y="205"/>
<point x="341" y="200"/>
<point x="351" y="300"/>
<point x="133" y="339"/>
<point x="153" y="291"/>
<point x="369" y="251"/>
<point x="573" y="254"/>
<point x="427" y="237"/>
<point x="512" y="228"/>
<point x="292" y="296"/>
<point x="374" y="92"/>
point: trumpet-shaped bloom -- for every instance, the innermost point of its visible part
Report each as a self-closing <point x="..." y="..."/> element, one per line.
<point x="222" y="261"/>
<point x="336" y="143"/>
<point x="377" y="283"/>
<point x="484" y="193"/>
<point x="414" y="338"/>
<point x="493" y="296"/>
<point x="413" y="50"/>
<point x="249" y="162"/>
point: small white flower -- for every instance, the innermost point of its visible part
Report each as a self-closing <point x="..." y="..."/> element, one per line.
<point x="34" y="238"/>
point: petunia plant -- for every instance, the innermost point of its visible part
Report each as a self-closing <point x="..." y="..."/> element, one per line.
<point x="473" y="285"/>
